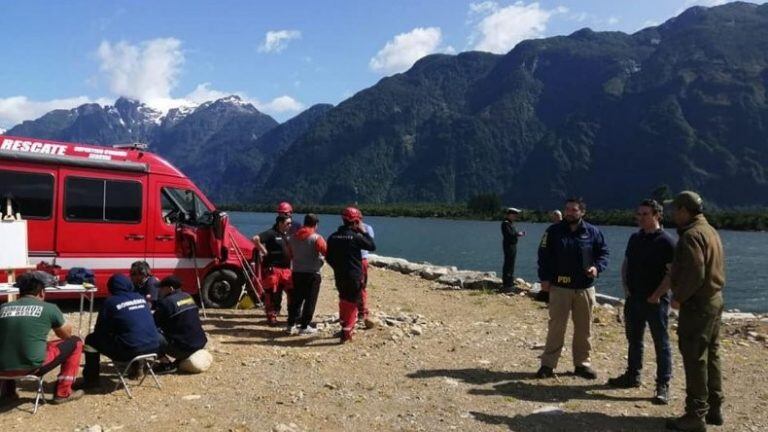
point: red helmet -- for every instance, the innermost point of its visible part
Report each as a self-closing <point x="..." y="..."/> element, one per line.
<point x="284" y="207"/>
<point x="351" y="214"/>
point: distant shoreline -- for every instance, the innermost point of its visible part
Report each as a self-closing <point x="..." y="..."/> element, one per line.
<point x="736" y="220"/>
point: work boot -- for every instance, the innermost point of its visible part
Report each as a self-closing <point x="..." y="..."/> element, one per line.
<point x="369" y="323"/>
<point x="346" y="336"/>
<point x="585" y="372"/>
<point x="136" y="372"/>
<point x="545" y="372"/>
<point x="75" y="395"/>
<point x="625" y="380"/>
<point x="662" y="394"/>
<point x="715" y="417"/>
<point x="687" y="423"/>
<point x="165" y="368"/>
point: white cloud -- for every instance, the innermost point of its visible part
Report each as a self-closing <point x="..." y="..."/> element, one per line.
<point x="279" y="105"/>
<point x="405" y="49"/>
<point x="708" y="3"/>
<point x="147" y="71"/>
<point x="498" y="29"/>
<point x="276" y="41"/>
<point x="16" y="109"/>
<point x="613" y="20"/>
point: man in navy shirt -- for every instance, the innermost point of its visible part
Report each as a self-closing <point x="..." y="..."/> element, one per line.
<point x="124" y="329"/>
<point x="178" y="320"/>
<point x="645" y="277"/>
<point x="572" y="254"/>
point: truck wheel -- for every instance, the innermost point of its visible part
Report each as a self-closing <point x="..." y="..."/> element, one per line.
<point x="222" y="288"/>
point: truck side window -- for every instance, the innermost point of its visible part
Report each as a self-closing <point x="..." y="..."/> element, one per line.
<point x="99" y="200"/>
<point x="31" y="193"/>
<point x="182" y="205"/>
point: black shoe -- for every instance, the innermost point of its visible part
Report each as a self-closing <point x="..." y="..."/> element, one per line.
<point x="625" y="380"/>
<point x="165" y="368"/>
<point x="585" y="372"/>
<point x="688" y="423"/>
<point x="662" y="395"/>
<point x="545" y="372"/>
<point x="714" y="417"/>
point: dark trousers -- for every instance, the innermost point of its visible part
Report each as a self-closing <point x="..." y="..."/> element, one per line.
<point x="699" y="340"/>
<point x="303" y="298"/>
<point x="96" y="345"/>
<point x="637" y="313"/>
<point x="179" y="353"/>
<point x="508" y="272"/>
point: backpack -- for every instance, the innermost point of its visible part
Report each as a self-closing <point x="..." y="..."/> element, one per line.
<point x="80" y="275"/>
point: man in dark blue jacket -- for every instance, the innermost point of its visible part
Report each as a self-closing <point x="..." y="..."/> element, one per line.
<point x="345" y="257"/>
<point x="124" y="329"/>
<point x="177" y="318"/>
<point x="572" y="254"/>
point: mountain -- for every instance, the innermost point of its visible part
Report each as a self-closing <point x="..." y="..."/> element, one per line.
<point x="205" y="141"/>
<point x="608" y="116"/>
<point x="605" y="115"/>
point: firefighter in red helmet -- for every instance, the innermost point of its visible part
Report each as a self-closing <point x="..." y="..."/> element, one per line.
<point x="345" y="257"/>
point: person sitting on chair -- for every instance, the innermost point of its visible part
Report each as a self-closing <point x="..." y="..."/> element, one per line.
<point x="124" y="329"/>
<point x="24" y="346"/>
<point x="178" y="320"/>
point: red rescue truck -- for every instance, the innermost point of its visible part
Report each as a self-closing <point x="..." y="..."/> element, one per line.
<point x="102" y="208"/>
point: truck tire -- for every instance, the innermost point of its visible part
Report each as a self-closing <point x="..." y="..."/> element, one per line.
<point x="222" y="288"/>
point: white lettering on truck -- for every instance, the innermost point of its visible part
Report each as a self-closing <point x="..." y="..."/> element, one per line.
<point x="33" y="147"/>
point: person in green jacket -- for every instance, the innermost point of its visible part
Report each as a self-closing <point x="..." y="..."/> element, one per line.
<point x="697" y="278"/>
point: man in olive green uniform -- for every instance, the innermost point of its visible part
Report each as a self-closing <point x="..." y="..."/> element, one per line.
<point x="697" y="279"/>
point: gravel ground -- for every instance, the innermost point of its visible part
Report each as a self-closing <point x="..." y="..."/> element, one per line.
<point x="439" y="360"/>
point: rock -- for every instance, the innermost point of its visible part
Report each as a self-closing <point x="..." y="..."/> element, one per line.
<point x="282" y="427"/>
<point x="734" y="316"/>
<point x="329" y="386"/>
<point x="94" y="428"/>
<point x="416" y="330"/>
<point x="549" y="410"/>
<point x="191" y="397"/>
<point x="198" y="362"/>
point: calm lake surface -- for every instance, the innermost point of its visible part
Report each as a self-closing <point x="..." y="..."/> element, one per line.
<point x="476" y="245"/>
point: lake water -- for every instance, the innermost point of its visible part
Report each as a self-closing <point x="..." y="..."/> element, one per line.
<point x="476" y="245"/>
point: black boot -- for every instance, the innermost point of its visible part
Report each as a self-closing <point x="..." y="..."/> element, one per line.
<point x="715" y="416"/>
<point x="91" y="371"/>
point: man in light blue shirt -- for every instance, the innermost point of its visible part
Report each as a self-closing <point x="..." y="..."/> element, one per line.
<point x="362" y="306"/>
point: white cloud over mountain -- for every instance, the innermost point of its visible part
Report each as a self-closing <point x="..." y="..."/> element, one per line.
<point x="498" y="28"/>
<point x="405" y="49"/>
<point x="148" y="71"/>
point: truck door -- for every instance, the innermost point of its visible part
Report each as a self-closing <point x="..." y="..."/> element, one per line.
<point x="103" y="222"/>
<point x="177" y="213"/>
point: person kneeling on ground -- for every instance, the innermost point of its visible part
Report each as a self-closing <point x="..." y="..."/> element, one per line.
<point x="178" y="320"/>
<point x="124" y="329"/>
<point x="144" y="282"/>
<point x="307" y="247"/>
<point x="344" y="256"/>
<point x="24" y="349"/>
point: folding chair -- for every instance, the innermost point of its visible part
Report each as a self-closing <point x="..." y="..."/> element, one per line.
<point x="40" y="396"/>
<point x="143" y="360"/>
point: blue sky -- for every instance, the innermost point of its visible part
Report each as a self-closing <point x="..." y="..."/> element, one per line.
<point x="282" y="56"/>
